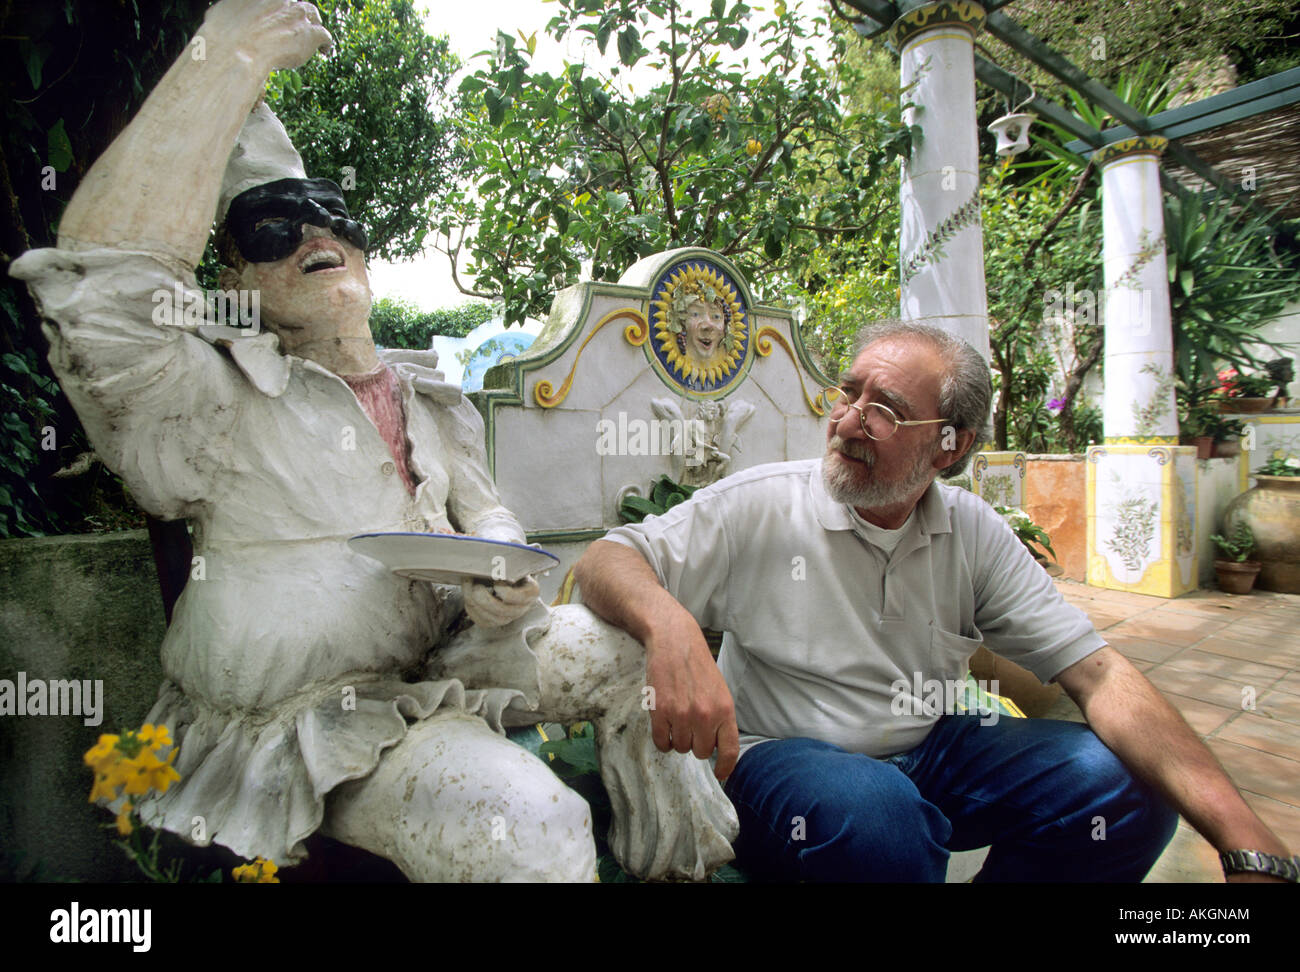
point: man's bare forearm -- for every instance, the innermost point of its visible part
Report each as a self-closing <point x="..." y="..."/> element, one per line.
<point x="1130" y="716"/>
<point x="619" y="585"/>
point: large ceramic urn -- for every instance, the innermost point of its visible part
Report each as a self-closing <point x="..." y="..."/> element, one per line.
<point x="1272" y="511"/>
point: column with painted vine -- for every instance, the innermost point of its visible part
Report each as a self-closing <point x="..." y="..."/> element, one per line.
<point x="1141" y="483"/>
<point x="941" y="242"/>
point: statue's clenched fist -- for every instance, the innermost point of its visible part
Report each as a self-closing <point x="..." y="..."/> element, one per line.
<point x="276" y="34"/>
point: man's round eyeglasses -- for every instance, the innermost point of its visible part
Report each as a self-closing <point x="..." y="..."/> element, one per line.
<point x="878" y="421"/>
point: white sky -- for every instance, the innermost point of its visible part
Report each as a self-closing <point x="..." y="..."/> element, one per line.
<point x="472" y="27"/>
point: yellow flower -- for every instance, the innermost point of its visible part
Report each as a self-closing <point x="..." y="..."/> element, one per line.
<point x="155" y="736"/>
<point x="102" y="751"/>
<point x="140" y="772"/>
<point x="163" y="776"/>
<point x="124" y="820"/>
<point x="259" y="872"/>
<point x="753" y="147"/>
<point x="104" y="789"/>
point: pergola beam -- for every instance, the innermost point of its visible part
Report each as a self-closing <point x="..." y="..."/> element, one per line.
<point x="1266" y="94"/>
<point x="1280" y="89"/>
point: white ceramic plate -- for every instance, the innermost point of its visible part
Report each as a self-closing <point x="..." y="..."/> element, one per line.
<point x="449" y="558"/>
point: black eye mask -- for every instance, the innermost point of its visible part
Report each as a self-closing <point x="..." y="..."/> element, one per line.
<point x="266" y="221"/>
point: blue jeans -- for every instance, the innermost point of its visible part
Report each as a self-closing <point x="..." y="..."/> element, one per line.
<point x="1052" y="801"/>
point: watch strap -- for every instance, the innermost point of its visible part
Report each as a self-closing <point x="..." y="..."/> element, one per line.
<point x="1258" y="862"/>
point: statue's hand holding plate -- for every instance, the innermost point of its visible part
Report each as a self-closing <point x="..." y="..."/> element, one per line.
<point x="495" y="604"/>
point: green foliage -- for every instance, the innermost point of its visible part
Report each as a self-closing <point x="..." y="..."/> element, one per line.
<point x="1282" y="373"/>
<point x="574" y="760"/>
<point x="1239" y="545"/>
<point x="1252" y="386"/>
<point x="1226" y="280"/>
<point x="664" y="495"/>
<point x="752" y="157"/>
<point x="1206" y="419"/>
<point x="1256" y="35"/>
<point x="848" y="280"/>
<point x="1031" y="263"/>
<point x="1147" y="89"/>
<point x="1280" y="466"/>
<point x="1227" y="277"/>
<point x="378" y="110"/>
<point x="72" y="74"/>
<point x="1026" y="530"/>
<point x="24" y="413"/>
<point x="396" y="323"/>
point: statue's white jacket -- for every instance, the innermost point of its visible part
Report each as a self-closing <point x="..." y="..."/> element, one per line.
<point x="285" y="655"/>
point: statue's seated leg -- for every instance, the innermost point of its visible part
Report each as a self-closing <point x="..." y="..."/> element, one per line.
<point x="455" y="801"/>
<point x="670" y="816"/>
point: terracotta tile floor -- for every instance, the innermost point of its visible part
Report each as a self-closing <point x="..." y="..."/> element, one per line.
<point x="1213" y="655"/>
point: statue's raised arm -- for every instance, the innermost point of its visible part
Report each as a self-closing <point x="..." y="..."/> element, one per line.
<point x="156" y="188"/>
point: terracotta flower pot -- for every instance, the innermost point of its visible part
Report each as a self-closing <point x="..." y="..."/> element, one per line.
<point x="1226" y="448"/>
<point x="1272" y="511"/>
<point x="1236" y="577"/>
<point x="1239" y="406"/>
<point x="1204" y="446"/>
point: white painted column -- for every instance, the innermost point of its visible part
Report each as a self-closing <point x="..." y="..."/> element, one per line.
<point x="1142" y="496"/>
<point x="1139" y="405"/>
<point x="941" y="242"/>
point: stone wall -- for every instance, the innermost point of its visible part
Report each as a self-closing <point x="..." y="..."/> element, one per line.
<point x="78" y="607"/>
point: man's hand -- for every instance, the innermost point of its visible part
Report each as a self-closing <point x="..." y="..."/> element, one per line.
<point x="693" y="709"/>
<point x="276" y="34"/>
<point x="495" y="605"/>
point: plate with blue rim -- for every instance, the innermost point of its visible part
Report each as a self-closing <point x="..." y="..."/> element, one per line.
<point x="453" y="558"/>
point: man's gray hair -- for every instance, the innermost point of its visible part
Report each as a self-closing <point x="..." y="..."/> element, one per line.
<point x="965" y="389"/>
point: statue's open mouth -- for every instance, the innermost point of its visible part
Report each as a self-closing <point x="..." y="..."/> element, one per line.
<point x="322" y="255"/>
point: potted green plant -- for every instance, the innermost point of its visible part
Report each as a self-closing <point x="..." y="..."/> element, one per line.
<point x="1271" y="509"/>
<point x="1029" y="533"/>
<point x="1235" y="570"/>
<point x="1245" y="393"/>
<point x="1213" y="434"/>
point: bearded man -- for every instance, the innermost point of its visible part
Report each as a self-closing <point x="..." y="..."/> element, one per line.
<point x="846" y="584"/>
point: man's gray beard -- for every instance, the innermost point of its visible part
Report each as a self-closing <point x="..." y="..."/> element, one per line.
<point x="844" y="486"/>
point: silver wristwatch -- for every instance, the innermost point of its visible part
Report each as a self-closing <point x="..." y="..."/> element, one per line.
<point x="1257" y="862"/>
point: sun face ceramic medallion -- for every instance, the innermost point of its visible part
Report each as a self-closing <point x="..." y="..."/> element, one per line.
<point x="700" y="340"/>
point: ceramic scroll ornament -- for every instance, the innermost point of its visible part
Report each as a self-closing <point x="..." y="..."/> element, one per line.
<point x="310" y="687"/>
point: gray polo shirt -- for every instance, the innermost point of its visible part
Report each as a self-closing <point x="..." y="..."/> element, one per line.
<point x="830" y="637"/>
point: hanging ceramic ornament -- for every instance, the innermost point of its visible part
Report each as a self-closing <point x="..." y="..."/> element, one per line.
<point x="1012" y="132"/>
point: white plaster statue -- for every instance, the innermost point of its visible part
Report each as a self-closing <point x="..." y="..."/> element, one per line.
<point x="308" y="687"/>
